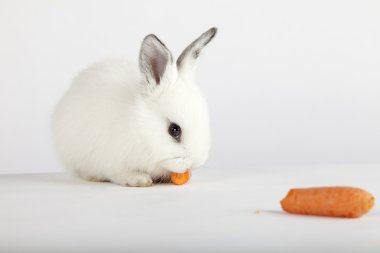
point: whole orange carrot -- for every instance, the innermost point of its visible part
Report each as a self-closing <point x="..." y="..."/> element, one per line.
<point x="180" y="178"/>
<point x="347" y="202"/>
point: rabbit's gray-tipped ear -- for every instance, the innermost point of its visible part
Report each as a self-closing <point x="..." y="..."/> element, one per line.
<point x="187" y="61"/>
<point x="154" y="59"/>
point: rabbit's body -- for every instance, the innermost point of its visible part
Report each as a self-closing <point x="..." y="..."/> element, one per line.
<point x="113" y="122"/>
<point x="94" y="123"/>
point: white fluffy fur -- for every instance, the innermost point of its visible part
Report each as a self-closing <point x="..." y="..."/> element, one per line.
<point x="112" y="123"/>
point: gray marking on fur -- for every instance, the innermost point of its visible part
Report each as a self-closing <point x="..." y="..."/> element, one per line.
<point x="154" y="58"/>
<point x="195" y="47"/>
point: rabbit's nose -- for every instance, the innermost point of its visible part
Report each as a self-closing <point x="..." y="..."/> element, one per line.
<point x="199" y="161"/>
<point x="177" y="164"/>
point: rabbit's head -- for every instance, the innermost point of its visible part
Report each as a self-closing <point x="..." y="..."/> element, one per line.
<point x="173" y="114"/>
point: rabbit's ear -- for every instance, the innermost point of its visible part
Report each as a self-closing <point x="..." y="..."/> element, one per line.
<point x="187" y="61"/>
<point x="154" y="60"/>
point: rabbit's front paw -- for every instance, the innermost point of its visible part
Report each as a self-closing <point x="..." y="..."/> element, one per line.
<point x="135" y="180"/>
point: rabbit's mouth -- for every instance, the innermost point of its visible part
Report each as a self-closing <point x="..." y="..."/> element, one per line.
<point x="176" y="164"/>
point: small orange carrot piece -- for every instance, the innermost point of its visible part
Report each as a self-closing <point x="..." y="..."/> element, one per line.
<point x="180" y="178"/>
<point x="346" y="202"/>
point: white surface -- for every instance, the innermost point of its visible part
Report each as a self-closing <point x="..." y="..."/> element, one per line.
<point x="214" y="212"/>
<point x="288" y="82"/>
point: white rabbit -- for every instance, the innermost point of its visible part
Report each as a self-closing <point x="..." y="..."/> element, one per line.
<point x="133" y="125"/>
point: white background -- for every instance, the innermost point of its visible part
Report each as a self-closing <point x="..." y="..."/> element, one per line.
<point x="289" y="83"/>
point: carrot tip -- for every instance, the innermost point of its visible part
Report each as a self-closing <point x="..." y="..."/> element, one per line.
<point x="180" y="178"/>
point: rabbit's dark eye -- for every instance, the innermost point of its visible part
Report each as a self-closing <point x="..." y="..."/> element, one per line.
<point x="175" y="131"/>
